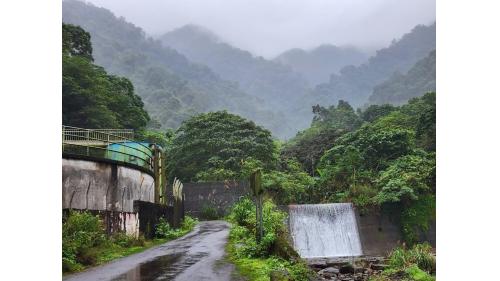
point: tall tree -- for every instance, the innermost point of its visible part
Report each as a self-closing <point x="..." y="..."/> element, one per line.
<point x="217" y="140"/>
<point x="91" y="98"/>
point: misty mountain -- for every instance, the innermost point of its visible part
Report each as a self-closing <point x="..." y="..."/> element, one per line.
<point x="400" y="88"/>
<point x="171" y="86"/>
<point x="278" y="85"/>
<point x="318" y="64"/>
<point x="355" y="83"/>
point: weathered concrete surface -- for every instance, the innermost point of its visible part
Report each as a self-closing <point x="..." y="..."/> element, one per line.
<point x="103" y="186"/>
<point x="379" y="235"/>
<point x="196" y="256"/>
<point x="108" y="188"/>
<point x="115" y="221"/>
<point x="221" y="195"/>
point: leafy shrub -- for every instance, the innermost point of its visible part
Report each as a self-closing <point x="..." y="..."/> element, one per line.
<point x="241" y="212"/>
<point x="188" y="223"/>
<point x="80" y="232"/>
<point x="420" y="255"/>
<point x="417" y="274"/>
<point x="124" y="240"/>
<point x="210" y="212"/>
<point x="163" y="229"/>
<point x="88" y="256"/>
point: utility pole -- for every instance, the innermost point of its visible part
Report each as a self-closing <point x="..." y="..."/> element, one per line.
<point x="256" y="186"/>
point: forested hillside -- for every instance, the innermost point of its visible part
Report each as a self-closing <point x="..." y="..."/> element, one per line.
<point x="172" y="87"/>
<point x="355" y="84"/>
<point x="400" y="88"/>
<point x="276" y="84"/>
<point x="318" y="64"/>
<point x="92" y="98"/>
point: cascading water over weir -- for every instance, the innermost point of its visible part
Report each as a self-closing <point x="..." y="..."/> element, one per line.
<point x="324" y="230"/>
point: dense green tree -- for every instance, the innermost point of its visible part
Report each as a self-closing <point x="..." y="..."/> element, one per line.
<point x="373" y="112"/>
<point x="407" y="178"/>
<point x="76" y="41"/>
<point x="172" y="87"/>
<point x="328" y="125"/>
<point x="91" y="98"/>
<point x="217" y="141"/>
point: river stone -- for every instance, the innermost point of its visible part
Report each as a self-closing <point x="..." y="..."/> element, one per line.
<point x="348" y="268"/>
<point x="378" y="266"/>
<point x="329" y="271"/>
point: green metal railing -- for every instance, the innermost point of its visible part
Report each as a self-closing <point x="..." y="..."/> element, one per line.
<point x="112" y="144"/>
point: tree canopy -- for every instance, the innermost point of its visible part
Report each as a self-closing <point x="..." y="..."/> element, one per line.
<point x="217" y="142"/>
<point x="91" y="98"/>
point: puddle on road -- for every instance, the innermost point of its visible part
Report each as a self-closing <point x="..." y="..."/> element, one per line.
<point x="162" y="268"/>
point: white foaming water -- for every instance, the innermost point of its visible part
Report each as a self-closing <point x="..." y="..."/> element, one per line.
<point x="324" y="230"/>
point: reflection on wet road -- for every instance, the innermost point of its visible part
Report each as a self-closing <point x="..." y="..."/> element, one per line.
<point x="197" y="256"/>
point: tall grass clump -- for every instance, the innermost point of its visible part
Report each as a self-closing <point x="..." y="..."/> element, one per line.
<point x="256" y="260"/>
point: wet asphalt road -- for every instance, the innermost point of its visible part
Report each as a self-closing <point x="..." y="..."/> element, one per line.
<point x="197" y="256"/>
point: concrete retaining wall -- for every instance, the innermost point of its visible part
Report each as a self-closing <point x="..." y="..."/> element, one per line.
<point x="103" y="186"/>
<point x="379" y="235"/>
<point x="108" y="188"/>
<point x="115" y="221"/>
<point x="221" y="195"/>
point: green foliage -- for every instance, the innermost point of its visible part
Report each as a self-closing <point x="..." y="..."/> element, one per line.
<point x="243" y="215"/>
<point x="91" y="98"/>
<point x="210" y="212"/>
<point x="188" y="223"/>
<point x="420" y="255"/>
<point x="242" y="212"/>
<point x="85" y="244"/>
<point x="388" y="163"/>
<point x="400" y="88"/>
<point x="417" y="217"/>
<point x="327" y="126"/>
<point x="256" y="260"/>
<point x="217" y="142"/>
<point x="414" y="264"/>
<point x="289" y="185"/>
<point x="161" y="138"/>
<point x="126" y="241"/>
<point x="172" y="87"/>
<point x="374" y="112"/>
<point x="76" y="42"/>
<point x="416" y="274"/>
<point x="80" y="233"/>
<point x="164" y="230"/>
<point x="406" y="178"/>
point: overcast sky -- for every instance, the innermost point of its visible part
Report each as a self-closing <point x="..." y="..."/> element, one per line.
<point x="269" y="27"/>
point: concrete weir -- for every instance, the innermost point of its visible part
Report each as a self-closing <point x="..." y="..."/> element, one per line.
<point x="339" y="230"/>
<point x="324" y="230"/>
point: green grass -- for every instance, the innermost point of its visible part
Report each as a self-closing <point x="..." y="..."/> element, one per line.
<point x="112" y="252"/>
<point x="80" y="252"/>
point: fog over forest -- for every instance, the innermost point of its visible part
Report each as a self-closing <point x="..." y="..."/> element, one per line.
<point x="270" y="27"/>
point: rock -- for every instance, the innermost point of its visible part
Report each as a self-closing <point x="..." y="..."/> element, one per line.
<point x="348" y="268"/>
<point x="280" y="275"/>
<point x="359" y="270"/>
<point x="317" y="263"/>
<point x="378" y="266"/>
<point x="329" y="272"/>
